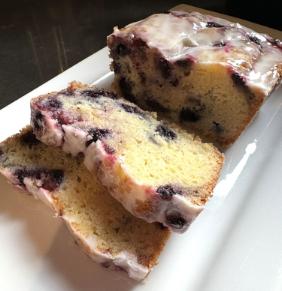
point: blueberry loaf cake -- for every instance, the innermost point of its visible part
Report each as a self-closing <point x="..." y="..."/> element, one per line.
<point x="107" y="232"/>
<point x="207" y="73"/>
<point x="159" y="172"/>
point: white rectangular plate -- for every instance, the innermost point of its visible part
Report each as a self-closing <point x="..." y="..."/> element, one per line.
<point x="235" y="243"/>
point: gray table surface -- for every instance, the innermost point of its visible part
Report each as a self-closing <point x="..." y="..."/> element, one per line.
<point x="40" y="39"/>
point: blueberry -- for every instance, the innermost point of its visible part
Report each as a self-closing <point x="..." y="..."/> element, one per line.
<point x="126" y="89"/>
<point x="97" y="133"/>
<point x="174" y="82"/>
<point x="175" y="219"/>
<point x="51" y="179"/>
<point x="155" y="105"/>
<point x="166" y="132"/>
<point x="217" y="127"/>
<point x="254" y="39"/>
<point x="132" y="109"/>
<point x="96" y="93"/>
<point x="167" y="191"/>
<point x="238" y="79"/>
<point x="122" y="50"/>
<point x="219" y="44"/>
<point x="37" y="120"/>
<point x="29" y="139"/>
<point x="165" y="68"/>
<point x="213" y="24"/>
<point x="53" y="103"/>
<point x="116" y="67"/>
<point x="142" y="77"/>
<point x="190" y="114"/>
<point x="1" y="154"/>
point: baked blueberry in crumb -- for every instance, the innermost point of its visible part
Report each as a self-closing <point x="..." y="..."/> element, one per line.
<point x="155" y="105"/>
<point x="50" y="179"/>
<point x="95" y="93"/>
<point x="238" y="79"/>
<point x="29" y="139"/>
<point x="132" y="109"/>
<point x="164" y="66"/>
<point x="174" y="219"/>
<point x="254" y="39"/>
<point x="122" y="50"/>
<point x="38" y="120"/>
<point x="1" y="154"/>
<point x="217" y="127"/>
<point x="213" y="24"/>
<point x="142" y="77"/>
<point x="116" y="67"/>
<point x="166" y="132"/>
<point x="167" y="191"/>
<point x="174" y="82"/>
<point x="186" y="114"/>
<point x="97" y="133"/>
<point x="126" y="89"/>
<point x="219" y="44"/>
<point x="185" y="64"/>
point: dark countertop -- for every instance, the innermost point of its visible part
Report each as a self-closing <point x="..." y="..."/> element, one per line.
<point x="40" y="39"/>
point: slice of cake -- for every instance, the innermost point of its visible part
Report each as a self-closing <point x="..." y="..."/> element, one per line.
<point x="106" y="231"/>
<point x="207" y="73"/>
<point x="156" y="170"/>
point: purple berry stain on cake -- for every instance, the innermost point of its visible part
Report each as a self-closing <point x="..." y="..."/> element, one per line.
<point x="108" y="149"/>
<point x="166" y="132"/>
<point x="50" y="179"/>
<point x="29" y="139"/>
<point x="167" y="192"/>
<point x="97" y="134"/>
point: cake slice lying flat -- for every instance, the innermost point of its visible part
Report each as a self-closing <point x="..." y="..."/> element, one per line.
<point x="157" y="171"/>
<point x="106" y="231"/>
<point x="207" y="73"/>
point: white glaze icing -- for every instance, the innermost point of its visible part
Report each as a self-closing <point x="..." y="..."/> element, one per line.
<point x="125" y="260"/>
<point x="74" y="140"/>
<point x="181" y="35"/>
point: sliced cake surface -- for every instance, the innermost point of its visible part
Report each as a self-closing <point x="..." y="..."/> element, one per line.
<point x="207" y="73"/>
<point x="156" y="170"/>
<point x="106" y="231"/>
